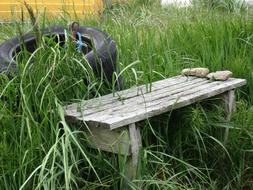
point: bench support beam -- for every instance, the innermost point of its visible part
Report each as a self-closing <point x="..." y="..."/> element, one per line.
<point x="229" y="103"/>
<point x="230" y="107"/>
<point x="126" y="142"/>
<point x="135" y="145"/>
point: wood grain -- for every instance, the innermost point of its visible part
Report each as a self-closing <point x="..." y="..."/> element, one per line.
<point x="136" y="104"/>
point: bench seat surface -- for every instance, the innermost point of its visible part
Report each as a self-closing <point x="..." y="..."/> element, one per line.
<point x="139" y="103"/>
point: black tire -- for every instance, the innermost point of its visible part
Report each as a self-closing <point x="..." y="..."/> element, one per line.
<point x="102" y="56"/>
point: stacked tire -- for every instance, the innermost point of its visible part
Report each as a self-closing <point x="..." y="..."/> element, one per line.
<point x="101" y="57"/>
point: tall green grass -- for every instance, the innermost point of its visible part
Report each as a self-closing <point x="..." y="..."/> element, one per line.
<point x="183" y="149"/>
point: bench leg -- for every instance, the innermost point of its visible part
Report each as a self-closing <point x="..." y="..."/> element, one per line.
<point x="230" y="107"/>
<point x="135" y="143"/>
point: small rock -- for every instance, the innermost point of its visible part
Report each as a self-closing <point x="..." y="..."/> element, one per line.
<point x="220" y="75"/>
<point x="198" y="72"/>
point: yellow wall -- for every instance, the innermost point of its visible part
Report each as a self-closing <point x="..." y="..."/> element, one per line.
<point x="14" y="8"/>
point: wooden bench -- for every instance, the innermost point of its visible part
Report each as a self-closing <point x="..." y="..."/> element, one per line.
<point x="110" y="119"/>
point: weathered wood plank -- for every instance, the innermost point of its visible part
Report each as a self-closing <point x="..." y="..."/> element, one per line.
<point x="128" y="93"/>
<point x="114" y="113"/>
<point x="140" y="102"/>
<point x="154" y="109"/>
<point x="166" y="91"/>
<point x="116" y="141"/>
